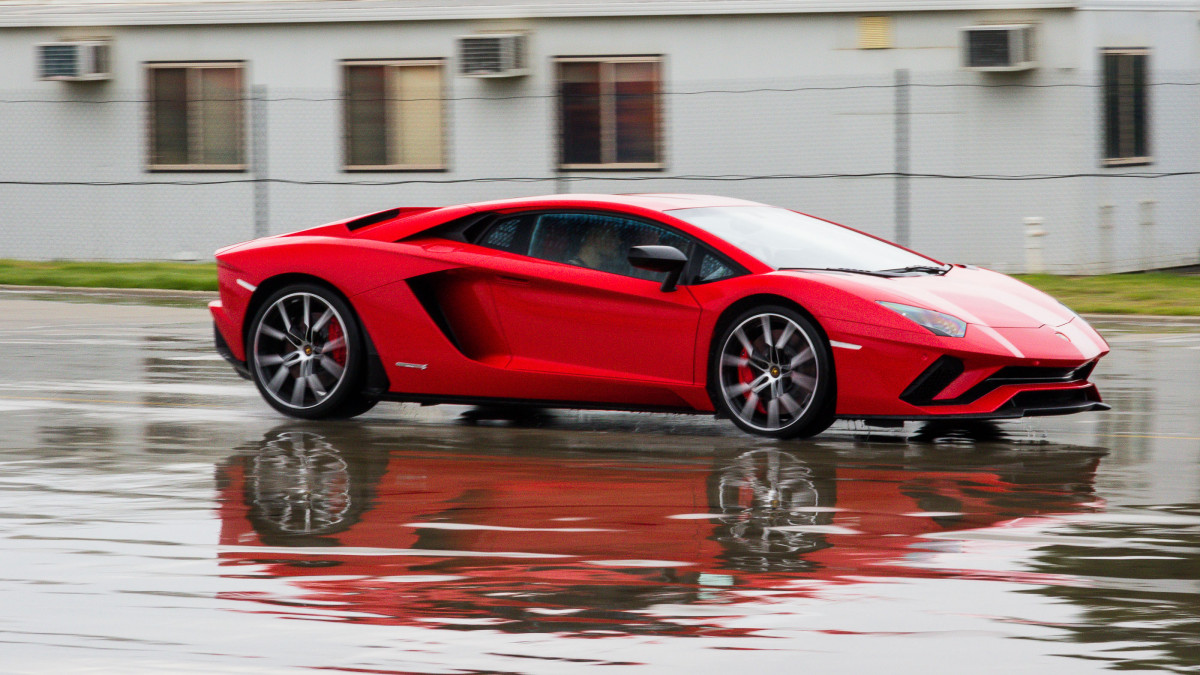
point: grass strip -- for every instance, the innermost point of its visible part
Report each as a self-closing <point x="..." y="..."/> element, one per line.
<point x="1155" y="293"/>
<point x="178" y="276"/>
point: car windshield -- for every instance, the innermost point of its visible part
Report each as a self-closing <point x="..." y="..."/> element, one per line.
<point x="788" y="240"/>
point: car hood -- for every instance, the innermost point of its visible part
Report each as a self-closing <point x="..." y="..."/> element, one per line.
<point x="977" y="296"/>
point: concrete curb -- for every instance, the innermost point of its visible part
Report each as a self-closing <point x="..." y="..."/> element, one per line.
<point x="112" y="292"/>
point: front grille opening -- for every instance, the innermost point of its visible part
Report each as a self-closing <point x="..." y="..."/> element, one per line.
<point x="1032" y="374"/>
<point x="1054" y="400"/>
<point x="1035" y="373"/>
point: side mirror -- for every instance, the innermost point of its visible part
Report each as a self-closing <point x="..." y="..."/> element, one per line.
<point x="659" y="259"/>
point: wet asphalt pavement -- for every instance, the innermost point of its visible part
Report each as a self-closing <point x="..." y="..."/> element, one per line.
<point x="157" y="516"/>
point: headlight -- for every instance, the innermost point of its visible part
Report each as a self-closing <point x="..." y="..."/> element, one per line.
<point x="934" y="322"/>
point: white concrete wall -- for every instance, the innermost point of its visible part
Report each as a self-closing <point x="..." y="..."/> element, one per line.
<point x="1173" y="38"/>
<point x="955" y="130"/>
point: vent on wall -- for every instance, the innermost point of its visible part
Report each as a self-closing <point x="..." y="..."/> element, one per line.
<point x="492" y="55"/>
<point x="998" y="48"/>
<point x="73" y="61"/>
<point x="874" y="32"/>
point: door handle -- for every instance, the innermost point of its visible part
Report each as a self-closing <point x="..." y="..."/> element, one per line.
<point x="516" y="281"/>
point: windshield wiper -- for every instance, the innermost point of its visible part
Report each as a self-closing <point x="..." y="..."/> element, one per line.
<point x="928" y="269"/>
<point x="887" y="274"/>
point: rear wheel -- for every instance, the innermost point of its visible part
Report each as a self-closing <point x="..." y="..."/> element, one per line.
<point x="772" y="374"/>
<point x="306" y="354"/>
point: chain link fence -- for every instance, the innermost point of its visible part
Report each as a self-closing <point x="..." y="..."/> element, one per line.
<point x="963" y="167"/>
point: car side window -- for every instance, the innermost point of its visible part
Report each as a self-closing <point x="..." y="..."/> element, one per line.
<point x="598" y="241"/>
<point x="508" y="234"/>
<point x="712" y="268"/>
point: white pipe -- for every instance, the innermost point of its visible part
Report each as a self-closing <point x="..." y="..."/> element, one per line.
<point x="1034" y="260"/>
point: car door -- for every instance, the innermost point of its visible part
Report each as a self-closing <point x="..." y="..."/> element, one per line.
<point x="575" y="305"/>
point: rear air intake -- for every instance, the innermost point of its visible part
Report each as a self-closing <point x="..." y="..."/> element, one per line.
<point x="373" y="219"/>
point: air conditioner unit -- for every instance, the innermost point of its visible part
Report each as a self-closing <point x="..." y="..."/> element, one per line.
<point x="492" y="55"/>
<point x="998" y="48"/>
<point x="73" y="61"/>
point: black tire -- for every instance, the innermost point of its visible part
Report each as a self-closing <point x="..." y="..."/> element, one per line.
<point x="779" y="388"/>
<point x="354" y="406"/>
<point x="305" y="353"/>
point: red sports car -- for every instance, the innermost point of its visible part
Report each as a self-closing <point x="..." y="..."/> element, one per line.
<point x="780" y="321"/>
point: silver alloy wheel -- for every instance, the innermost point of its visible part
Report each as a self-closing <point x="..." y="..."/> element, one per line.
<point x="769" y="372"/>
<point x="300" y="350"/>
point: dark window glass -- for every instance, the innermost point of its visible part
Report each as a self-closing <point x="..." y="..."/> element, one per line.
<point x="506" y="235"/>
<point x="170" y="115"/>
<point x="598" y="241"/>
<point x="636" y="92"/>
<point x="366" y="116"/>
<point x="712" y="268"/>
<point x="580" y="92"/>
<point x="1126" y="118"/>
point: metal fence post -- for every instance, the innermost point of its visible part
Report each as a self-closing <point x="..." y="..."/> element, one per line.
<point x="259" y="149"/>
<point x="902" y="155"/>
<point x="562" y="183"/>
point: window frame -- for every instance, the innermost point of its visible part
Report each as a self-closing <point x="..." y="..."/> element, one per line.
<point x="443" y="88"/>
<point x="473" y="230"/>
<point x="193" y="68"/>
<point x="608" y="114"/>
<point x="1131" y="160"/>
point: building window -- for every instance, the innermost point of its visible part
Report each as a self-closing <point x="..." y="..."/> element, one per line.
<point x="394" y="116"/>
<point x="196" y="116"/>
<point x="1126" y="114"/>
<point x="610" y="113"/>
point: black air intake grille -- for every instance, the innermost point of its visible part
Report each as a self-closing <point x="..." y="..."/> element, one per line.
<point x="1055" y="401"/>
<point x="937" y="377"/>
<point x="373" y="219"/>
<point x="931" y="382"/>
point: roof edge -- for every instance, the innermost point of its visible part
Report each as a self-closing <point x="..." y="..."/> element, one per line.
<point x="54" y="13"/>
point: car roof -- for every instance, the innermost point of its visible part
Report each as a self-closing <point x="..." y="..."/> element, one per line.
<point x="654" y="202"/>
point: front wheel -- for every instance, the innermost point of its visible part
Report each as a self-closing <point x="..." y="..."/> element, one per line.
<point x="772" y="374"/>
<point x="306" y="354"/>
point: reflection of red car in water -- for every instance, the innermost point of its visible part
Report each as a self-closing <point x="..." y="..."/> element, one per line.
<point x="568" y="541"/>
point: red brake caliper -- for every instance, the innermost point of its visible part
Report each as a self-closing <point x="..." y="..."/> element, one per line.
<point x="746" y="376"/>
<point x="335" y="332"/>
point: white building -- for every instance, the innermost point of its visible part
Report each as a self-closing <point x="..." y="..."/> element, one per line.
<point x="277" y="115"/>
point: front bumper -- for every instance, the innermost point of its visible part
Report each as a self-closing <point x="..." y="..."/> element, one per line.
<point x="1033" y="403"/>
<point x="224" y="350"/>
<point x="990" y="374"/>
